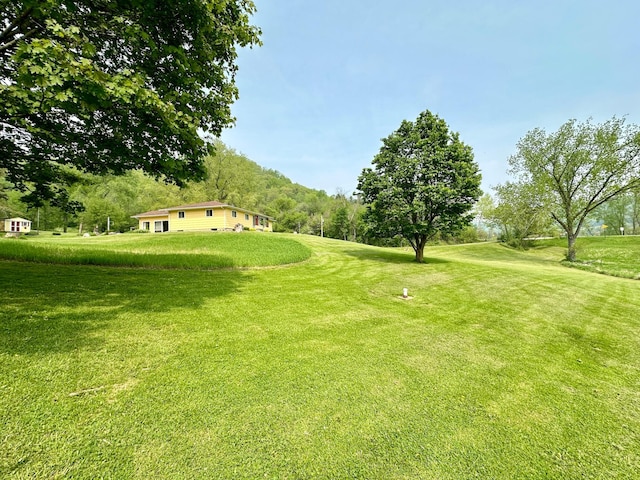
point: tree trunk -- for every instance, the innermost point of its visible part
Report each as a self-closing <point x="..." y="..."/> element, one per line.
<point x="571" y="250"/>
<point x="420" y="243"/>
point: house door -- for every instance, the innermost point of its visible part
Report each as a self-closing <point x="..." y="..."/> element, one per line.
<point x="165" y="226"/>
<point x="255" y="220"/>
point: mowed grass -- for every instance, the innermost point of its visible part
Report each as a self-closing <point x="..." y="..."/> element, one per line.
<point x="612" y="255"/>
<point x="201" y="251"/>
<point x="502" y="364"/>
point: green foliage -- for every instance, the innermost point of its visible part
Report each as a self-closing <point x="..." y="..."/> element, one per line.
<point x="345" y="218"/>
<point x="339" y="225"/>
<point x="230" y="177"/>
<point x="635" y="211"/>
<point x="484" y="211"/>
<point x="108" y="87"/>
<point x="117" y="198"/>
<point x="614" y="213"/>
<point x="424" y="182"/>
<point x="5" y="210"/>
<point x="290" y="218"/>
<point x="622" y="211"/>
<point x="235" y="179"/>
<point x="469" y="234"/>
<point x="521" y="212"/>
<point x="581" y="167"/>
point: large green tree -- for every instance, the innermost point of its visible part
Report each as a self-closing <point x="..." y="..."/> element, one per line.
<point x="109" y="86"/>
<point x="581" y="166"/>
<point x="424" y="181"/>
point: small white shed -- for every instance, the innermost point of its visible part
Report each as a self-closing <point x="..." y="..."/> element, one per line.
<point x="17" y="225"/>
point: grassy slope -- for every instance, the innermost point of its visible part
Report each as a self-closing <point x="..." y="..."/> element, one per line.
<point x="612" y="255"/>
<point x="199" y="251"/>
<point x="502" y="365"/>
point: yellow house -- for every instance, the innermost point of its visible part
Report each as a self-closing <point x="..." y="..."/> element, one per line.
<point x="17" y="225"/>
<point x="205" y="216"/>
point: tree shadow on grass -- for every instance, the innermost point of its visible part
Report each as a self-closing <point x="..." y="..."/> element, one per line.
<point x="57" y="308"/>
<point x="390" y="256"/>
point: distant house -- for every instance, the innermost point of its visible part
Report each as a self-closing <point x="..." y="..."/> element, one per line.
<point x="17" y="225"/>
<point x="205" y="216"/>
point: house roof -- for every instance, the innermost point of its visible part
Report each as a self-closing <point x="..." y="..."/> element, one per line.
<point x="193" y="206"/>
<point x="199" y="205"/>
<point x="153" y="213"/>
<point x="17" y="219"/>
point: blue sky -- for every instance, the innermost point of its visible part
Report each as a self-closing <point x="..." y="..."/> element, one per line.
<point x="334" y="77"/>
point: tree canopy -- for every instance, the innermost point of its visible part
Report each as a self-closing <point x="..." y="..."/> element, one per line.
<point x="108" y="87"/>
<point x="580" y="167"/>
<point x="521" y="212"/>
<point x="424" y="182"/>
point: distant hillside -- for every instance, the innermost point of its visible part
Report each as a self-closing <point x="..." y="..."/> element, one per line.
<point x="231" y="177"/>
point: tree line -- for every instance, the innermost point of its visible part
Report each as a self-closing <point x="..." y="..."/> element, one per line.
<point x="89" y="201"/>
<point x="583" y="178"/>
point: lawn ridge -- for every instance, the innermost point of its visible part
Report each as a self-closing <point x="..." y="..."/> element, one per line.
<point x="166" y="251"/>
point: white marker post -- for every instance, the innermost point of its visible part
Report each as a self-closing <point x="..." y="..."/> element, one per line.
<point x="405" y="293"/>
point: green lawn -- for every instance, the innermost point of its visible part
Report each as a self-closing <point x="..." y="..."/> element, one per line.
<point x="199" y="251"/>
<point x="612" y="255"/>
<point x="502" y="365"/>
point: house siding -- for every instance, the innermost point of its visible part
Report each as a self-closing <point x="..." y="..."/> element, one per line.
<point x="151" y="220"/>
<point x="195" y="219"/>
<point x="17" y="225"/>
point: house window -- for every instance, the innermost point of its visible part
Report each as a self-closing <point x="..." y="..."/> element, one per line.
<point x="234" y="214"/>
<point x="180" y="214"/>
<point x="246" y="216"/>
<point x="208" y="213"/>
<point x="145" y="225"/>
<point x="157" y="226"/>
